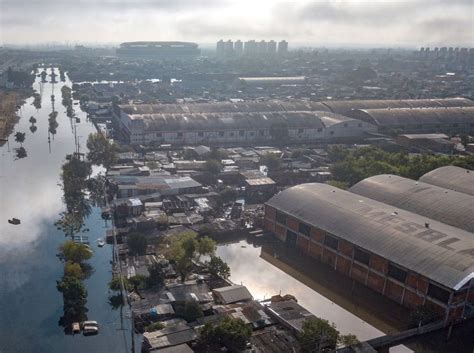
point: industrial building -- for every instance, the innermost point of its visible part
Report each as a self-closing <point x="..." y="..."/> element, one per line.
<point x="409" y="258"/>
<point x="454" y="120"/>
<point x="158" y="49"/>
<point x="241" y="128"/>
<point x="447" y="206"/>
<point x="451" y="177"/>
<point x="344" y="107"/>
<point x="236" y="123"/>
<point x="271" y="81"/>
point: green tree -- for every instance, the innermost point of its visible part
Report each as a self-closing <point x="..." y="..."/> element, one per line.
<point x="70" y="251"/>
<point x="137" y="243"/>
<point x="101" y="151"/>
<point x="74" y="297"/>
<point x="190" y="311"/>
<point x="115" y="283"/>
<point x="228" y="332"/>
<point x="317" y="334"/>
<point x="213" y="166"/>
<point x="218" y="267"/>
<point x="154" y="326"/>
<point x="138" y="282"/>
<point x="156" y="277"/>
<point x="348" y="340"/>
<point x="271" y="160"/>
<point x="228" y="194"/>
<point x="73" y="269"/>
<point x="205" y="246"/>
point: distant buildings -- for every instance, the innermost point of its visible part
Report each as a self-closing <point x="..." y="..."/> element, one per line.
<point x="251" y="48"/>
<point x="158" y="49"/>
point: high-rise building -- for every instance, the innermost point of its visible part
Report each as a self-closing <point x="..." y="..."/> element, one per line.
<point x="271" y="47"/>
<point x="220" y="48"/>
<point x="283" y="47"/>
<point x="262" y="47"/>
<point x="229" y="48"/>
<point x="238" y="47"/>
<point x="250" y="47"/>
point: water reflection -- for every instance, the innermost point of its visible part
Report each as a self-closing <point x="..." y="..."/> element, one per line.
<point x="30" y="305"/>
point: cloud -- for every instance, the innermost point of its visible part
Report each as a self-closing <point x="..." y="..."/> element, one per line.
<point x="394" y="22"/>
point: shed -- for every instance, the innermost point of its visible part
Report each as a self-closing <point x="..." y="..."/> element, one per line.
<point x="232" y="294"/>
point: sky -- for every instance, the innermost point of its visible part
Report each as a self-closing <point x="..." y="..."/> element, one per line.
<point x="404" y="23"/>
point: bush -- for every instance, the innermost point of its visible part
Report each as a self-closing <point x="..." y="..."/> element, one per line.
<point x="154" y="326"/>
<point x="228" y="332"/>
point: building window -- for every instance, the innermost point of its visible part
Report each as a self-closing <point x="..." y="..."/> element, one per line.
<point x="252" y="133"/>
<point x="438" y="293"/>
<point x="332" y="132"/>
<point x="359" y="125"/>
<point x="200" y="134"/>
<point x="455" y="125"/>
<point x="241" y="133"/>
<point x="331" y="242"/>
<point x="261" y="132"/>
<point x="396" y="273"/>
<point x="221" y="133"/>
<point x="300" y="131"/>
<point x="180" y="134"/>
<point x="304" y="229"/>
<point x="346" y="125"/>
<point x="320" y="129"/>
<point x="158" y="134"/>
<point x="231" y="134"/>
<point x="361" y="256"/>
<point x="419" y="127"/>
<point x="280" y="217"/>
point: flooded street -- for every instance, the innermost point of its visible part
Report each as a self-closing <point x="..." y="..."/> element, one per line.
<point x="30" y="305"/>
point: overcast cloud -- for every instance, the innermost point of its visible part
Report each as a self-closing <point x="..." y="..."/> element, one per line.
<point x="323" y="22"/>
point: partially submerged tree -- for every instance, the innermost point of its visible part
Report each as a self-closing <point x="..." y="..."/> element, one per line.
<point x="74" y="252"/>
<point x="101" y="151"/>
<point x="218" y="268"/>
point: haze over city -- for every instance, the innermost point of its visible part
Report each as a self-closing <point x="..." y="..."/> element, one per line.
<point x="345" y="22"/>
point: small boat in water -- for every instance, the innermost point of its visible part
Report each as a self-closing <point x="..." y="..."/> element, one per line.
<point x="14" y="221"/>
<point x="100" y="243"/>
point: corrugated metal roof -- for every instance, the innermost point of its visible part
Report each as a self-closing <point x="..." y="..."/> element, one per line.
<point x="451" y="177"/>
<point x="224" y="121"/>
<point x="342" y="107"/>
<point x="415" y="116"/>
<point x="443" y="253"/>
<point x="447" y="206"/>
<point x="223" y="107"/>
<point x="233" y="294"/>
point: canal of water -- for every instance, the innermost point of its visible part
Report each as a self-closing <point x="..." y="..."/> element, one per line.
<point x="30" y="305"/>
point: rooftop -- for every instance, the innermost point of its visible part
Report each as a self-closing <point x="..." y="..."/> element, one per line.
<point x="443" y="253"/>
<point x="447" y="206"/>
<point x="451" y="177"/>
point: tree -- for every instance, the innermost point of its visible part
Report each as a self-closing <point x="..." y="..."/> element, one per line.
<point x="348" y="340"/>
<point x="228" y="332"/>
<point x="74" y="252"/>
<point x="190" y="311"/>
<point x="317" y="334"/>
<point x="137" y="243"/>
<point x="20" y="137"/>
<point x="228" y="194"/>
<point x="205" y="246"/>
<point x="218" y="267"/>
<point x="74" y="297"/>
<point x="73" y="269"/>
<point x="212" y="166"/>
<point x="32" y="119"/>
<point x="271" y="160"/>
<point x="156" y="277"/>
<point x="154" y="326"/>
<point x="115" y="283"/>
<point x="138" y="282"/>
<point x="101" y="151"/>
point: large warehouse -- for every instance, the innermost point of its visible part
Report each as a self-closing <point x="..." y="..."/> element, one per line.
<point x="406" y="257"/>
<point x="453" y="120"/>
<point x="451" y="177"/>
<point x="344" y="107"/>
<point x="144" y="125"/>
<point x="447" y="206"/>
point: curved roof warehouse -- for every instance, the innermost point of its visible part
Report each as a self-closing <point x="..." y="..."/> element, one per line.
<point x="451" y="177"/>
<point x="447" y="206"/>
<point x="439" y="252"/>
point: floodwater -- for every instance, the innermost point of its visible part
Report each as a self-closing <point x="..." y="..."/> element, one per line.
<point x="30" y="305"/>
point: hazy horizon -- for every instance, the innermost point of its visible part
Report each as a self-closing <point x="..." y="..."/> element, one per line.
<point x="399" y="23"/>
